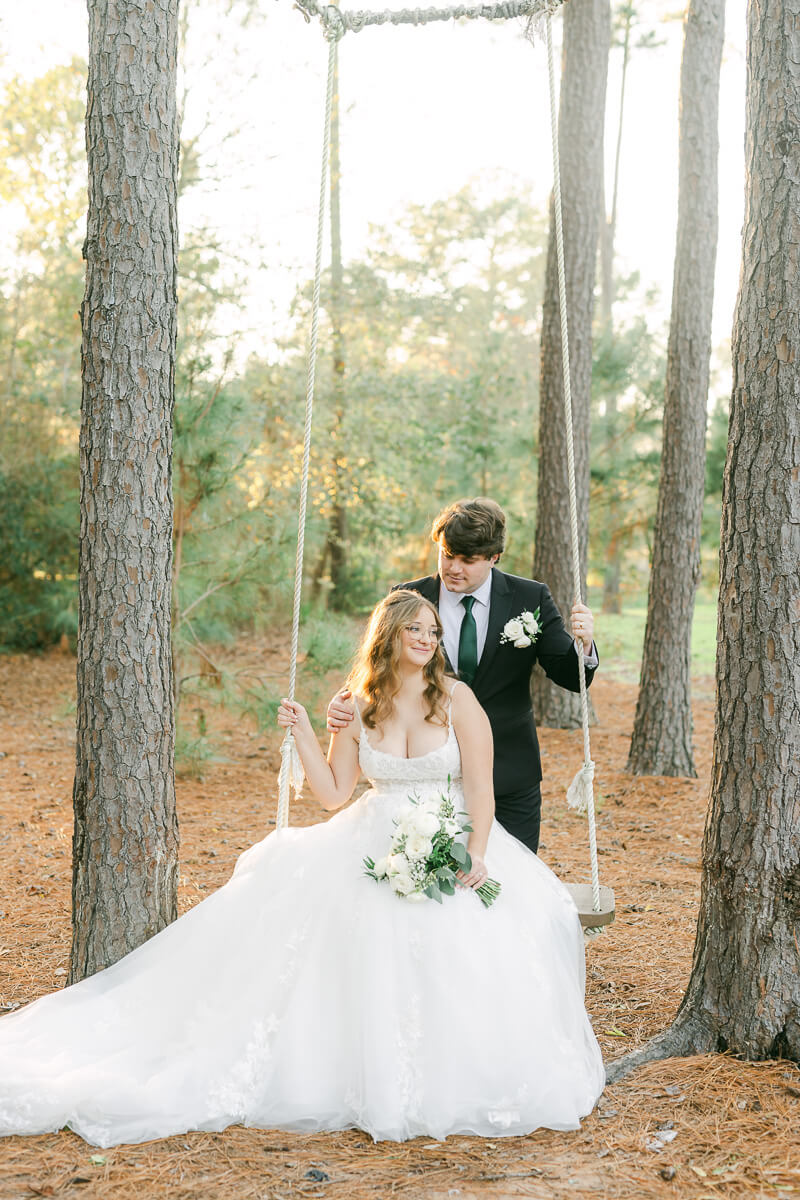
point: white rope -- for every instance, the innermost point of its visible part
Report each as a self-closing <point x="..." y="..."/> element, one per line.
<point x="582" y="795"/>
<point x="291" y="769"/>
<point x="338" y="21"/>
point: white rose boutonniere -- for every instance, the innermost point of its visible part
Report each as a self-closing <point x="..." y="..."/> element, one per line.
<point x="522" y="631"/>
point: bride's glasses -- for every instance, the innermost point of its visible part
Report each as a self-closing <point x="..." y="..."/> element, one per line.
<point x="424" y="635"/>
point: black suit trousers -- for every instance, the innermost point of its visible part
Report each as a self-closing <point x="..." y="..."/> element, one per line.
<point x="520" y="813"/>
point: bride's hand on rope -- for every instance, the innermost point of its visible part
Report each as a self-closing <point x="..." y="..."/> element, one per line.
<point x="341" y="711"/>
<point x="583" y="626"/>
<point x="331" y="780"/>
<point x="292" y="715"/>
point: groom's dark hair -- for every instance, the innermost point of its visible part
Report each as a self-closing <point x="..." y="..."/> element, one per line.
<point x="471" y="529"/>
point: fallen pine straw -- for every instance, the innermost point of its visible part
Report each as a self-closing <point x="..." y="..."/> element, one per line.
<point x="689" y="1128"/>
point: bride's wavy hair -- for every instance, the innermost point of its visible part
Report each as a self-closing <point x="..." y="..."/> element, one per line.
<point x="375" y="674"/>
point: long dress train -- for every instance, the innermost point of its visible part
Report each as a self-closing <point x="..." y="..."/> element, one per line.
<point x="303" y="995"/>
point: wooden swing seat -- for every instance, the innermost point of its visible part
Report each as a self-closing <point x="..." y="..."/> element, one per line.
<point x="592" y="918"/>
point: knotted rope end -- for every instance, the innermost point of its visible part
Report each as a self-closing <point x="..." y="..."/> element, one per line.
<point x="291" y="775"/>
<point x="536" y="21"/>
<point x="579" y="792"/>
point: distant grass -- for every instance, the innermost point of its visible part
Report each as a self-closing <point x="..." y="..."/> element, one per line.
<point x="66" y="708"/>
<point x="193" y="755"/>
<point x="329" y="641"/>
<point x="620" y="638"/>
<point x="261" y="703"/>
<point x="194" y="750"/>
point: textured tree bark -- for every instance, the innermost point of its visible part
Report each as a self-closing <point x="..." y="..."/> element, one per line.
<point x="662" y="732"/>
<point x="126" y="836"/>
<point x="587" y="32"/>
<point x="744" y="990"/>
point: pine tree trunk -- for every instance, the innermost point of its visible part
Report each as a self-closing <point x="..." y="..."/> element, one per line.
<point x="612" y="601"/>
<point x="125" y="845"/>
<point x="744" y="990"/>
<point x="746" y="973"/>
<point x="584" y="72"/>
<point x="615" y="517"/>
<point x="662" y="733"/>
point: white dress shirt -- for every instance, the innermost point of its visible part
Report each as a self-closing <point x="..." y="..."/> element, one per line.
<point x="451" y="613"/>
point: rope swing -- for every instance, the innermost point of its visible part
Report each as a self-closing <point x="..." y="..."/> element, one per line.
<point x="595" y="903"/>
<point x="291" y="768"/>
<point x="336" y="23"/>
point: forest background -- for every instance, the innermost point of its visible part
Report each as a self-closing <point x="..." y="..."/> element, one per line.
<point x="444" y="226"/>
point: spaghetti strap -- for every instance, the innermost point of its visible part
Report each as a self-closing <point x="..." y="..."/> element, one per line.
<point x="450" y="704"/>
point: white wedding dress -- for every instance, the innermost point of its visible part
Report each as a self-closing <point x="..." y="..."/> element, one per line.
<point x="305" y="996"/>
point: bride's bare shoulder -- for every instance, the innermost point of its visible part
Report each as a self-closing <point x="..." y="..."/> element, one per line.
<point x="465" y="707"/>
<point x="463" y="699"/>
<point x="359" y="725"/>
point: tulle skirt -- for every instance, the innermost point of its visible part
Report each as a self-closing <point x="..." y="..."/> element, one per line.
<point x="305" y="996"/>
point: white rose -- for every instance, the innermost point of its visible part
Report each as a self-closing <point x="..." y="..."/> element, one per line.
<point x="382" y="867"/>
<point x="426" y="823"/>
<point x="402" y="883"/>
<point x="416" y="897"/>
<point x="531" y="624"/>
<point x="418" y="846"/>
<point x="397" y="864"/>
<point x="522" y="642"/>
<point x="451" y="827"/>
<point x="513" y="629"/>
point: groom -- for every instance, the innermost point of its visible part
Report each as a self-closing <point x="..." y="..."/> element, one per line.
<point x="496" y="627"/>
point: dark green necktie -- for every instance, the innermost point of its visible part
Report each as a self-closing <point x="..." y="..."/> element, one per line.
<point x="468" y="643"/>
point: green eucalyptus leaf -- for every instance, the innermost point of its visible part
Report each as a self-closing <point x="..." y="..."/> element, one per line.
<point x="458" y="851"/>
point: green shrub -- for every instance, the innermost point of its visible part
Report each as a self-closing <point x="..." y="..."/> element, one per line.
<point x="38" y="555"/>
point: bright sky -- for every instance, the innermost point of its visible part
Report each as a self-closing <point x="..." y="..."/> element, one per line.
<point x="423" y="112"/>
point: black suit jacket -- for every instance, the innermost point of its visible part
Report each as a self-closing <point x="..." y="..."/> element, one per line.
<point x="502" y="682"/>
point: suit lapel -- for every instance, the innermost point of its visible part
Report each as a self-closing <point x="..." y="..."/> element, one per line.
<point x="499" y="610"/>
<point x="434" y="597"/>
<point x="429" y="588"/>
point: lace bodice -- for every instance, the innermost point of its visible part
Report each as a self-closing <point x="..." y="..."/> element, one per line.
<point x="391" y="773"/>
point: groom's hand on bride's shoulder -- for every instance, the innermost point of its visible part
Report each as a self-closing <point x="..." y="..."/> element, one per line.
<point x="341" y="711"/>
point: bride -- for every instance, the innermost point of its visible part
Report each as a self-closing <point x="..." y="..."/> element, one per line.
<point x="304" y="995"/>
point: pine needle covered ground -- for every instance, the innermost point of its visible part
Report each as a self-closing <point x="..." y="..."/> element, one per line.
<point x="695" y="1128"/>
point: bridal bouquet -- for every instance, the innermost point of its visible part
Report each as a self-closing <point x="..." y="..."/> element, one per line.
<point x="425" y="856"/>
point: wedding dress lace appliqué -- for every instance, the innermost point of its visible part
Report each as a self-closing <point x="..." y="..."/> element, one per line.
<point x="304" y="996"/>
